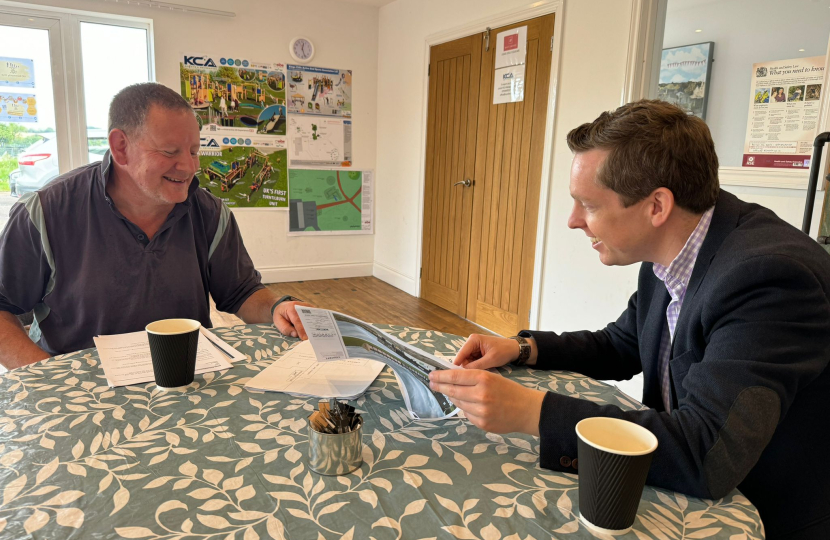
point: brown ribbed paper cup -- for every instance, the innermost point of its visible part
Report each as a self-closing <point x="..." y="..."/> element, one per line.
<point x="173" y="344"/>
<point x="614" y="458"/>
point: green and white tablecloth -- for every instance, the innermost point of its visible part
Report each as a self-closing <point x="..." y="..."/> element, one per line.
<point x="81" y="460"/>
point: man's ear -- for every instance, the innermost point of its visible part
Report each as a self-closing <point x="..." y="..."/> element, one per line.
<point x="118" y="146"/>
<point x="662" y="206"/>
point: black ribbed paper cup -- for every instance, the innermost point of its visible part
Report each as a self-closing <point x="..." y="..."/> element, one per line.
<point x="173" y="344"/>
<point x="614" y="457"/>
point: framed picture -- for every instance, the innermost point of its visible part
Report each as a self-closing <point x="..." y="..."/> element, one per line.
<point x="684" y="77"/>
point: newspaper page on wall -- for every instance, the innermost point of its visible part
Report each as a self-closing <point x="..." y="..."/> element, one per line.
<point x="784" y="105"/>
<point x="335" y="336"/>
<point x="332" y="202"/>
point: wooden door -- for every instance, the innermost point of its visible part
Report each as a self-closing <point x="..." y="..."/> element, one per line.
<point x="454" y="70"/>
<point x="479" y="237"/>
<point x="508" y="173"/>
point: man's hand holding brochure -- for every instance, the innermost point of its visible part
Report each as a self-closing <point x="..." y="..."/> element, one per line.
<point x="335" y="336"/>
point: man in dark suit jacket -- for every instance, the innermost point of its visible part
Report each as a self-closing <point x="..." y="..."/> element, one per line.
<point x="730" y="326"/>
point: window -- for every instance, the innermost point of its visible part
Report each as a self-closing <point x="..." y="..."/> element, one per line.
<point x="125" y="64"/>
<point x="42" y="116"/>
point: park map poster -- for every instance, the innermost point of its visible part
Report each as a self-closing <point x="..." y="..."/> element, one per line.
<point x="245" y="176"/>
<point x="329" y="202"/>
<point x="234" y="97"/>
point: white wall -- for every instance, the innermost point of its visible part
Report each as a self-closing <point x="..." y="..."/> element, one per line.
<point x="404" y="27"/>
<point x="346" y="37"/>
<point x="745" y="32"/>
<point x="577" y="291"/>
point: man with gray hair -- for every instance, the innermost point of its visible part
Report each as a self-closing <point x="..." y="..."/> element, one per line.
<point x="112" y="246"/>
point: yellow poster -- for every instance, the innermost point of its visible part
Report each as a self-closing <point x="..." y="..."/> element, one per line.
<point x="18" y="72"/>
<point x="17" y="107"/>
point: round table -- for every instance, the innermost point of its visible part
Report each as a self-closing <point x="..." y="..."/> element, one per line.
<point x="79" y="459"/>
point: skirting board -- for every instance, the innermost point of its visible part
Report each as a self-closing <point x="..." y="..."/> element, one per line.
<point x="282" y="274"/>
<point x="395" y="278"/>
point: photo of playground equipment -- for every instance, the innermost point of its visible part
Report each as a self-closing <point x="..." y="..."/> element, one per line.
<point x="272" y="120"/>
<point x="236" y="97"/>
<point x="323" y="91"/>
<point x="245" y="176"/>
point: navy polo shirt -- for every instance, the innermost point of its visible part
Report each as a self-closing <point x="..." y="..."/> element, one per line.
<point x="68" y="254"/>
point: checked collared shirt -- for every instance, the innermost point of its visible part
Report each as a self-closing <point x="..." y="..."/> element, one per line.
<point x="676" y="278"/>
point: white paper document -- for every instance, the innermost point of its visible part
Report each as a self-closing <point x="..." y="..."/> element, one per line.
<point x="511" y="47"/>
<point x="126" y="357"/>
<point x="322" y="329"/>
<point x="509" y="85"/>
<point x="298" y="372"/>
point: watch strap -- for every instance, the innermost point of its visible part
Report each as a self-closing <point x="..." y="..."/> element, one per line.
<point x="286" y="298"/>
<point x="524" y="351"/>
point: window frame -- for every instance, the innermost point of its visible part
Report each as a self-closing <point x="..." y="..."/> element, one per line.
<point x="64" y="26"/>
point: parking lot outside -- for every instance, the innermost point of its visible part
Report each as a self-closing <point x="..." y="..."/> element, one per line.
<point x="6" y="202"/>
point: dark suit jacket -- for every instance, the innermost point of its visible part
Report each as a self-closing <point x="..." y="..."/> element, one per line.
<point x="749" y="378"/>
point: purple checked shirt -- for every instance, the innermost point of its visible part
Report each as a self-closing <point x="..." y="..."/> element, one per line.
<point x="676" y="278"/>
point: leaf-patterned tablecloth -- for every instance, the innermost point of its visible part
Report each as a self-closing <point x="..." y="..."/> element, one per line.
<point x="79" y="459"/>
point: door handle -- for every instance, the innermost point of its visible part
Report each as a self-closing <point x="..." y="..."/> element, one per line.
<point x="465" y="183"/>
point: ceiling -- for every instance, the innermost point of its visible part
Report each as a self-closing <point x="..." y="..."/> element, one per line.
<point x="375" y="3"/>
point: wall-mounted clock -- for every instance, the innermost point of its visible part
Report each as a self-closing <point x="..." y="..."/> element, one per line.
<point x="301" y="49"/>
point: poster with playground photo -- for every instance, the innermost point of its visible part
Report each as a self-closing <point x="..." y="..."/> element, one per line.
<point x="245" y="176"/>
<point x="321" y="91"/>
<point x="233" y="96"/>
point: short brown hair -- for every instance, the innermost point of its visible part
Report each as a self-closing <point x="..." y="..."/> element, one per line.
<point x="130" y="106"/>
<point x="653" y="144"/>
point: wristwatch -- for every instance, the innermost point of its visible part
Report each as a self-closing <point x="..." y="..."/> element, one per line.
<point x="286" y="298"/>
<point x="524" y="351"/>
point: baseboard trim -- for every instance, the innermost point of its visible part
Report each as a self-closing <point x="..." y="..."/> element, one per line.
<point x="395" y="278"/>
<point x="280" y="274"/>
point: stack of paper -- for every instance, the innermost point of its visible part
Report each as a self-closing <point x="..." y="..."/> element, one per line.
<point x="298" y="372"/>
<point x="126" y="357"/>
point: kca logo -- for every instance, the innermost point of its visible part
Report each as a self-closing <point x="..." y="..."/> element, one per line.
<point x="199" y="61"/>
<point x="211" y="143"/>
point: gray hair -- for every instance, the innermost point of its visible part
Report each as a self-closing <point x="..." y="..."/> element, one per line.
<point x="130" y="106"/>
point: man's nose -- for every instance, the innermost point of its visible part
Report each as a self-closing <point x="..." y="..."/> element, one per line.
<point x="188" y="163"/>
<point x="575" y="220"/>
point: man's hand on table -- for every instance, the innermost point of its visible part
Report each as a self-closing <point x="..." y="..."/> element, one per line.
<point x="490" y="401"/>
<point x="287" y="321"/>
